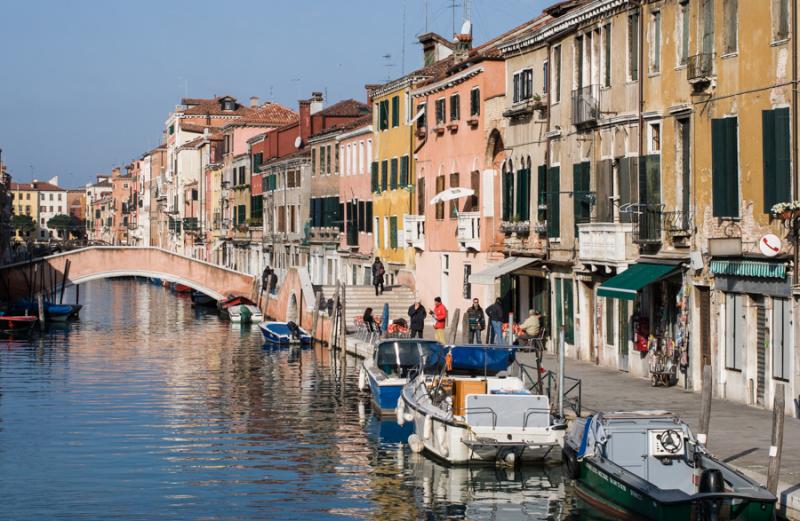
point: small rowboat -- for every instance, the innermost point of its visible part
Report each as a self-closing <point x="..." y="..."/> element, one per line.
<point x="284" y="333"/>
<point x="16" y="323"/>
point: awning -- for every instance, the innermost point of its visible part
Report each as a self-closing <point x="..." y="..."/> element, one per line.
<point x="749" y="268"/>
<point x="627" y="284"/>
<point x="488" y="275"/>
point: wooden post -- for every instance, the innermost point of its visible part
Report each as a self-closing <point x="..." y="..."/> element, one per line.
<point x="77" y="293"/>
<point x="67" y="265"/>
<point x="315" y="316"/>
<point x="40" y="302"/>
<point x="705" y="406"/>
<point x="561" y="356"/>
<point x="333" y="316"/>
<point x="511" y="329"/>
<point x="775" y="449"/>
<point x="454" y="325"/>
<point x="343" y="322"/>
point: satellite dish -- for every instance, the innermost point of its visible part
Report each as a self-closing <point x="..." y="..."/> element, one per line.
<point x="298" y="142"/>
<point x="466" y="28"/>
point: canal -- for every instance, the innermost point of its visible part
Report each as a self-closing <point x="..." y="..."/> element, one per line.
<point x="150" y="409"/>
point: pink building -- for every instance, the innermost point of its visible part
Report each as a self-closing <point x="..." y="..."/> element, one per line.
<point x="355" y="157"/>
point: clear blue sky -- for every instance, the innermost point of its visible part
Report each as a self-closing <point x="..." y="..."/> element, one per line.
<point x="87" y="85"/>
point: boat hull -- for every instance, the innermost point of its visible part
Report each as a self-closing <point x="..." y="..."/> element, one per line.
<point x="384" y="395"/>
<point x="16" y="324"/>
<point x="276" y="338"/>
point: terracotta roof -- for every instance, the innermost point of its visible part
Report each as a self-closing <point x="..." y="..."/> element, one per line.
<point x="360" y="122"/>
<point x="213" y="107"/>
<point x="40" y="185"/>
<point x="348" y="107"/>
<point x="192" y="127"/>
<point x="269" y="114"/>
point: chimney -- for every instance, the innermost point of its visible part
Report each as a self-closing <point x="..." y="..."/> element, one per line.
<point x="434" y="48"/>
<point x="317" y="102"/>
<point x="305" y="119"/>
<point x="253" y="101"/>
<point x="463" y="41"/>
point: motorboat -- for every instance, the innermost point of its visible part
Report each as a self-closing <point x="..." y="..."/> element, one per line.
<point x="648" y="464"/>
<point x="284" y="333"/>
<point x="472" y="410"/>
<point x="16" y="324"/>
<point x="240" y="310"/>
<point x="201" y="299"/>
<point x="52" y="312"/>
<point x="386" y="372"/>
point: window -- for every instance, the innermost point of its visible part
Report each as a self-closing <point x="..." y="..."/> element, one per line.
<point x="395" y="111"/>
<point x="440" y="111"/>
<point x="557" y="69"/>
<point x="780" y="20"/>
<point x="541" y="194"/>
<point x="607" y="55"/>
<point x="331" y="166"/>
<point x="455" y="107"/>
<point x="394" y="172"/>
<point x="545" y="77"/>
<point x="383" y="122"/>
<point x="655" y="45"/>
<point x="654" y="138"/>
<point x="781" y="338"/>
<point x="422" y="120"/>
<point x="633" y="47"/>
<point x="523" y="193"/>
<point x="735" y="330"/>
<point x="374" y="177"/>
<point x="725" y="167"/>
<point x="384" y="175"/>
<point x="777" y="156"/>
<point x="523" y="85"/>
<point x="683" y="25"/>
<point x="439" y="189"/>
<point x="421" y="196"/>
<point x="553" y="202"/>
<point x="475" y="102"/>
<point x="508" y="191"/>
<point x="731" y="34"/>
<point x="403" y="171"/>
<point x="454" y="182"/>
<point x="393" y="232"/>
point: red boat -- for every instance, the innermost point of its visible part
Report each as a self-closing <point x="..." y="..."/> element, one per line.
<point x="16" y="323"/>
<point x="180" y="288"/>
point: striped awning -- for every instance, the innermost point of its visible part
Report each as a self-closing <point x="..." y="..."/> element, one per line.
<point x="749" y="268"/>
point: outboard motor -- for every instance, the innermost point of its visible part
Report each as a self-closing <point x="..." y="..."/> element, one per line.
<point x="293" y="329"/>
<point x="711" y="481"/>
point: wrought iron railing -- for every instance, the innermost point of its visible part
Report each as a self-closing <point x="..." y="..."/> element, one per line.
<point x="647" y="225"/>
<point x="678" y="222"/>
<point x="585" y="105"/>
<point x="700" y="66"/>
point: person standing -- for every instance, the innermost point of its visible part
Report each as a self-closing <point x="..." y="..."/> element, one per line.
<point x="496" y="315"/>
<point x="416" y="322"/>
<point x="378" y="271"/>
<point x="440" y="316"/>
<point x="476" y="322"/>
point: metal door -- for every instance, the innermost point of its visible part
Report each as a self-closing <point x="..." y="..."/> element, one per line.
<point x="761" y="349"/>
<point x="704" y="296"/>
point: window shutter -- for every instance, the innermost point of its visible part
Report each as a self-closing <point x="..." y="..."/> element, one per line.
<point x="769" y="150"/>
<point x="541" y="193"/>
<point x="520" y="195"/>
<point x="404" y="171"/>
<point x="393" y="231"/>
<point x="777" y="157"/>
<point x="553" y="202"/>
<point x="421" y="196"/>
<point x="580" y="187"/>
<point x="368" y="217"/>
<point x="725" y="167"/>
<point x="393" y="178"/>
<point x="375" y="185"/>
<point x="395" y="111"/>
<point x="384" y="175"/>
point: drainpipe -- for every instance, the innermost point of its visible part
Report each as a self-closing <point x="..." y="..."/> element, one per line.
<point x="795" y="274"/>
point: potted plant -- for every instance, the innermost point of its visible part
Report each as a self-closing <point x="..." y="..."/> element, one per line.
<point x="786" y="210"/>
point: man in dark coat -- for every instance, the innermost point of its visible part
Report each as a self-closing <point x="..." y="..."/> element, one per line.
<point x="476" y="322"/>
<point x="495" y="314"/>
<point x="416" y="314"/>
<point x="378" y="272"/>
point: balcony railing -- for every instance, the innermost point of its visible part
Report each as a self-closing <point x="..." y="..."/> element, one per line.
<point x="585" y="105"/>
<point x="518" y="227"/>
<point x="605" y="242"/>
<point x="678" y="223"/>
<point x="647" y="224"/>
<point x="414" y="228"/>
<point x="700" y="67"/>
<point x="469" y="230"/>
<point x="323" y="234"/>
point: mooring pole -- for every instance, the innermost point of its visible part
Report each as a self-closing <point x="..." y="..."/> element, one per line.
<point x="561" y="348"/>
<point x="40" y="302"/>
<point x="454" y="325"/>
<point x="315" y="316"/>
<point x="511" y="329"/>
<point x="705" y="406"/>
<point x="774" y="470"/>
<point x="77" y="293"/>
<point x="343" y="323"/>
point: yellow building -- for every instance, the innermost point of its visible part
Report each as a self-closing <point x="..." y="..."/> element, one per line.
<point x="25" y="201"/>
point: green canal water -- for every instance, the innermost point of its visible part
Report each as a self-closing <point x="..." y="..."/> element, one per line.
<point x="149" y="409"/>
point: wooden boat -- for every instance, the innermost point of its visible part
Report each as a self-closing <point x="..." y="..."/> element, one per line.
<point x="201" y="299"/>
<point x="16" y="324"/>
<point x="648" y="464"/>
<point x="284" y="333"/>
<point x="472" y="411"/>
<point x="386" y="372"/>
<point x="181" y="288"/>
<point x="52" y="312"/>
<point x="240" y="309"/>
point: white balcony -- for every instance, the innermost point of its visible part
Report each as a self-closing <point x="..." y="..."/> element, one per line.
<point x="606" y="243"/>
<point x="414" y="231"/>
<point x="469" y="230"/>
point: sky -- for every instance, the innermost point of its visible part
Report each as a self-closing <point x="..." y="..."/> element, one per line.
<point x="87" y="85"/>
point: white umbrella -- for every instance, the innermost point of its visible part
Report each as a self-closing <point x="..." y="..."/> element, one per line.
<point x="451" y="194"/>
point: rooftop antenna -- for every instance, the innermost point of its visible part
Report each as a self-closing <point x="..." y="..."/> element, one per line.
<point x="388" y="65"/>
<point x="426" y="16"/>
<point x="296" y="82"/>
<point x="403" y="47"/>
<point x="453" y="6"/>
<point x="467" y="13"/>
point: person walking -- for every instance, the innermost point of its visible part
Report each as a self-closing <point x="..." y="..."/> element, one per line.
<point x="378" y="271"/>
<point x="416" y="322"/>
<point x="476" y="322"/>
<point x="439" y="314"/>
<point x="496" y="315"/>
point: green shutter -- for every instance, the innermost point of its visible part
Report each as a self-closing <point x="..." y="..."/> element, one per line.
<point x="553" y="202"/>
<point x="395" y="111"/>
<point x="506" y="208"/>
<point x="541" y="193"/>
<point x="725" y="167"/>
<point x="384" y="175"/>
<point x="404" y="171"/>
<point x="580" y="189"/>
<point x="393" y="178"/>
<point x="393" y="231"/>
<point x="569" y="316"/>
<point x="375" y="182"/>
<point x="523" y="194"/>
<point x="777" y="157"/>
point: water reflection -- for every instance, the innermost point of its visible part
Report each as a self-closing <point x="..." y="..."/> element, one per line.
<point x="151" y="409"/>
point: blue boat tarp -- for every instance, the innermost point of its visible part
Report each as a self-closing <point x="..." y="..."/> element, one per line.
<point x="477" y="359"/>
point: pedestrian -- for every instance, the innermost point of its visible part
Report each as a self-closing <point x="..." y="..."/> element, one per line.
<point x="476" y="322"/>
<point x="532" y="326"/>
<point x="378" y="271"/>
<point x="369" y="321"/>
<point x="439" y="314"/>
<point x="416" y="314"/>
<point x="496" y="314"/>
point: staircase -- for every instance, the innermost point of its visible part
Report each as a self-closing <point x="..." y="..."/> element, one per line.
<point x="360" y="298"/>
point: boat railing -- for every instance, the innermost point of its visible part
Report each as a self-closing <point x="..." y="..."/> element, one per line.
<point x="482" y="410"/>
<point x="546" y="383"/>
<point x="528" y="414"/>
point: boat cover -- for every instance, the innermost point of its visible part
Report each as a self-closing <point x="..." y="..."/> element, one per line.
<point x="481" y="359"/>
<point x="586" y="434"/>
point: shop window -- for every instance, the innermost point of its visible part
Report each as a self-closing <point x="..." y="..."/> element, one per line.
<point x="735" y="331"/>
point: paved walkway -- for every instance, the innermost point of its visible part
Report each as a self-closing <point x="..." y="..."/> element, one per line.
<point x="739" y="435"/>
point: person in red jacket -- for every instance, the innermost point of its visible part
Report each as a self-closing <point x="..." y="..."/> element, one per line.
<point x="439" y="314"/>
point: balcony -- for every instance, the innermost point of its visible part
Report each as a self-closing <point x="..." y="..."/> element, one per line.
<point x="679" y="226"/>
<point x="468" y="231"/>
<point x="606" y="243"/>
<point x="585" y="105"/>
<point x="647" y="224"/>
<point x="323" y="235"/>
<point x="414" y="231"/>
<point x="518" y="227"/>
<point x="700" y="68"/>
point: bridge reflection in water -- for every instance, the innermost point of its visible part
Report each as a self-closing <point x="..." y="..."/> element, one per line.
<point x="150" y="409"/>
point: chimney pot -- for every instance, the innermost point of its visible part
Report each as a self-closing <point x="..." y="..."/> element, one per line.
<point x="253" y="101"/>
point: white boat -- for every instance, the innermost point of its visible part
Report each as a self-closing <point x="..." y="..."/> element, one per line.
<point x="240" y="310"/>
<point x="473" y="411"/>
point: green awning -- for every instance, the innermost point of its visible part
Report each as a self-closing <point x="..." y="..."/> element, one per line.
<point x="627" y="284"/>
<point x="749" y="268"/>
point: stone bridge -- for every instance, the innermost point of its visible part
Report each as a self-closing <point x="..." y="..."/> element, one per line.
<point x="100" y="262"/>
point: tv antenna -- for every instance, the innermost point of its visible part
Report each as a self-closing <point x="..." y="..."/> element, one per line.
<point x="453" y="6"/>
<point x="388" y="65"/>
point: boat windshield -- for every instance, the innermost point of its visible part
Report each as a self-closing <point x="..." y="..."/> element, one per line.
<point x="396" y="359"/>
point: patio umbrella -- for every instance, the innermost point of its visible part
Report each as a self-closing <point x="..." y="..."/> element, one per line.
<point x="451" y="194"/>
<point x="385" y="318"/>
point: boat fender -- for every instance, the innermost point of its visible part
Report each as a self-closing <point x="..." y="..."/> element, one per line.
<point x="570" y="460"/>
<point x="441" y="437"/>
<point x="362" y="380"/>
<point x="427" y="428"/>
<point x="408" y="416"/>
<point x="399" y="411"/>
<point x="415" y="443"/>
